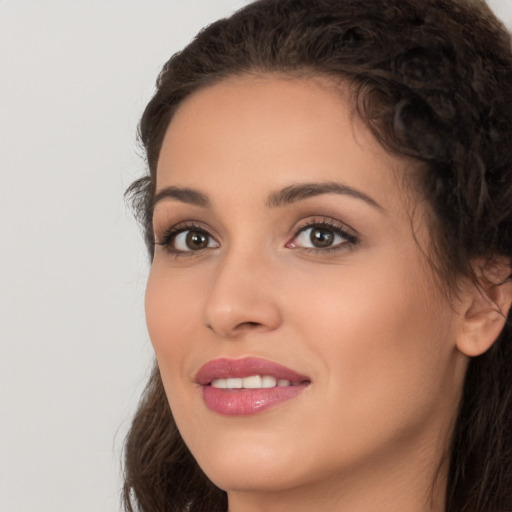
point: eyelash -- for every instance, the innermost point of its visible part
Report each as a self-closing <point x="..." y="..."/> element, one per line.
<point x="172" y="233"/>
<point x="329" y="224"/>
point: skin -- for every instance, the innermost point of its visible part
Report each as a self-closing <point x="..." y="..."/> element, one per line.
<point x="364" y="320"/>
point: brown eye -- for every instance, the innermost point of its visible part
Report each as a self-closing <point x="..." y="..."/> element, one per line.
<point x="190" y="240"/>
<point x="317" y="237"/>
<point x="195" y="240"/>
<point x="321" y="237"/>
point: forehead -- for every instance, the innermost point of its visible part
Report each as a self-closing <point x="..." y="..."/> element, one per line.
<point x="256" y="133"/>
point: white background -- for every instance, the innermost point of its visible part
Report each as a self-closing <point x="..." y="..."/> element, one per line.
<point x="74" y="353"/>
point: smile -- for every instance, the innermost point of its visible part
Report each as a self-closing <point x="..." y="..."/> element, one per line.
<point x="239" y="387"/>
<point x="251" y="382"/>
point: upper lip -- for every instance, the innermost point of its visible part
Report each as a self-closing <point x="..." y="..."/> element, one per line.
<point x="224" y="368"/>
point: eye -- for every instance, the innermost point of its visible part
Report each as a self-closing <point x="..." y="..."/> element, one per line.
<point x="192" y="240"/>
<point x="320" y="236"/>
<point x="187" y="239"/>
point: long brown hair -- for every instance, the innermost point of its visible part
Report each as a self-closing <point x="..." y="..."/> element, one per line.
<point x="433" y="80"/>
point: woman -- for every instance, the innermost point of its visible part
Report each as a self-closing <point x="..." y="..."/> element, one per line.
<point x="329" y="217"/>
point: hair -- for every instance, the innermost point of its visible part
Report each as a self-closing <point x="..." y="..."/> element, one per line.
<point x="432" y="79"/>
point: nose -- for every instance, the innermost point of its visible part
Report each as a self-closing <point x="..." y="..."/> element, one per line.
<point x="242" y="297"/>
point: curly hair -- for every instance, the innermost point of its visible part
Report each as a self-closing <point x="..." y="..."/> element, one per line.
<point x="432" y="79"/>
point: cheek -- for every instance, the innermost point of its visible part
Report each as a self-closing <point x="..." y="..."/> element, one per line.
<point x="383" y="338"/>
<point x="172" y="317"/>
<point x="171" y="314"/>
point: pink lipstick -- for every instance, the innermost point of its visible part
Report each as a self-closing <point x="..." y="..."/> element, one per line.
<point x="239" y="387"/>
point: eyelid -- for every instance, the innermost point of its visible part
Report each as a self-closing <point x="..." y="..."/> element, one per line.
<point x="340" y="228"/>
<point x="170" y="234"/>
<point x="337" y="226"/>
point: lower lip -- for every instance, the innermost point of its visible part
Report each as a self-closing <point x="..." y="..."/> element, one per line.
<point x="242" y="402"/>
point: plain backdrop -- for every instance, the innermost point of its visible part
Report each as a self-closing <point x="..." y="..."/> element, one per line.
<point x="74" y="352"/>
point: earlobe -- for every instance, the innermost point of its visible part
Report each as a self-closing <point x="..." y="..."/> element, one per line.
<point x="486" y="303"/>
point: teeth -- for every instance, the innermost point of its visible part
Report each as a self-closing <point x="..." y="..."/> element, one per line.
<point x="251" y="382"/>
<point x="220" y="383"/>
<point x="268" y="382"/>
<point x="234" y="383"/>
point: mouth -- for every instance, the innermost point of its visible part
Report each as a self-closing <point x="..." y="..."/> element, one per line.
<point x="252" y="382"/>
<point x="238" y="387"/>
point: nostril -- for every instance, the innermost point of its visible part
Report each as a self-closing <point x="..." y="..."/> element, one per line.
<point x="233" y="316"/>
<point x="247" y="325"/>
<point x="240" y="327"/>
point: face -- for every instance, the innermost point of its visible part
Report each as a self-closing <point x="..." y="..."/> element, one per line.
<point x="298" y="330"/>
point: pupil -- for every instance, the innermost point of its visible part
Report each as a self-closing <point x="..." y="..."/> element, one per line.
<point x="321" y="237"/>
<point x="196" y="240"/>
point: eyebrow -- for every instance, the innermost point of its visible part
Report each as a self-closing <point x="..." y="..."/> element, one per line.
<point x="184" y="195"/>
<point x="283" y="197"/>
<point x="301" y="191"/>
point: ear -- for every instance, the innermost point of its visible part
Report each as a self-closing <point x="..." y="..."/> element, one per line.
<point x="486" y="301"/>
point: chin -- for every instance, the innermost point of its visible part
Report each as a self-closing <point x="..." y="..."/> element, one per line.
<point x="245" y="462"/>
<point x="251" y="476"/>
